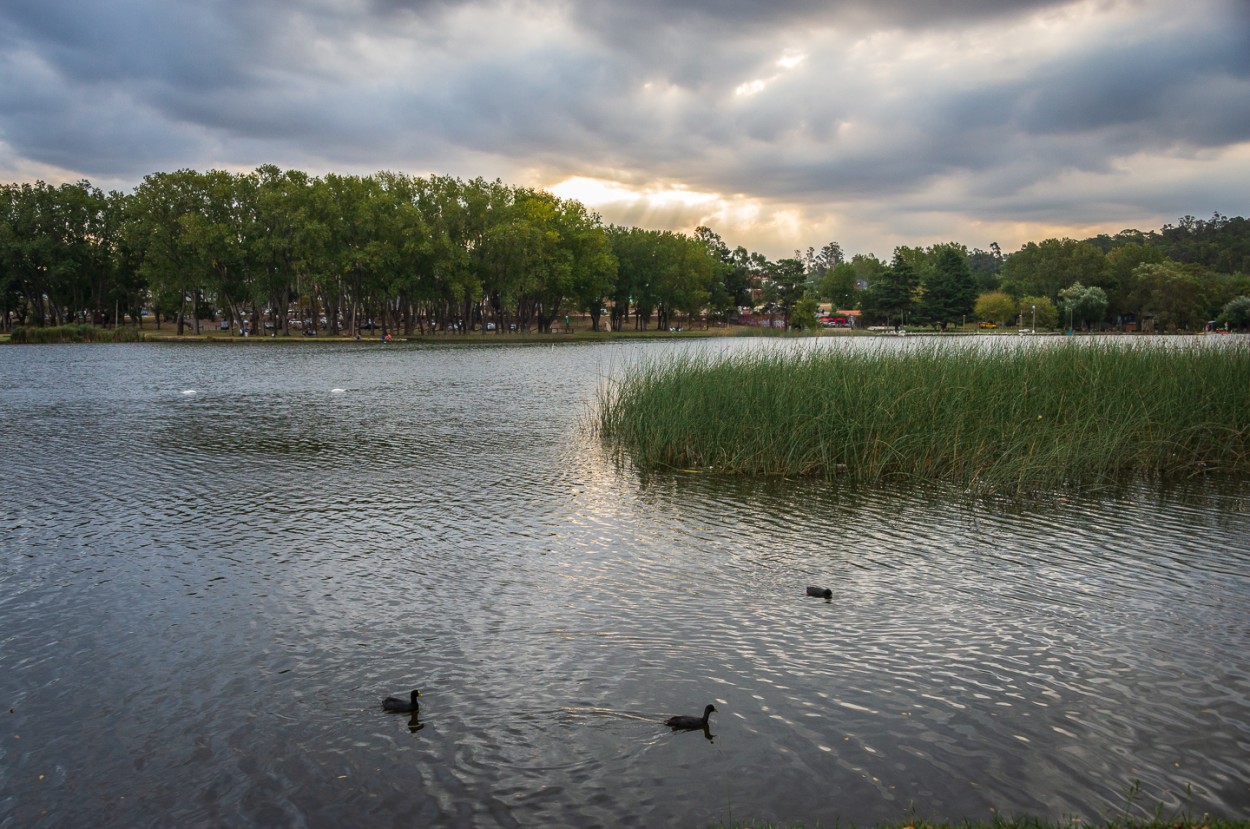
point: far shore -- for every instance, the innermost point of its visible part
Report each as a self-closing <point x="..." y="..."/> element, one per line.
<point x="579" y="331"/>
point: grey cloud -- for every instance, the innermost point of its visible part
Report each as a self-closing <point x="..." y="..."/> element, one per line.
<point x="722" y="16"/>
<point x="146" y="85"/>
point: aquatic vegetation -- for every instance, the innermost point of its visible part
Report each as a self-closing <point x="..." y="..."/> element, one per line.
<point x="1043" y="417"/>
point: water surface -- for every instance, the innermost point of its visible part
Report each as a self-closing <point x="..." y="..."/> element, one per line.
<point x="215" y="562"/>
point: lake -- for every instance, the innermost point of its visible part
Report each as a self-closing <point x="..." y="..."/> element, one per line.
<point x="216" y="560"/>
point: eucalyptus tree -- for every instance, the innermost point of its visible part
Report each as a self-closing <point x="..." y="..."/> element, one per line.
<point x="734" y="272"/>
<point x="447" y="268"/>
<point x="631" y="288"/>
<point x="818" y="263"/>
<point x="164" y="208"/>
<point x="54" y="250"/>
<point x="10" y="256"/>
<point x="548" y="262"/>
<point x="355" y="256"/>
<point x="83" y="234"/>
<point x="468" y="289"/>
<point x="985" y="266"/>
<point x="593" y="264"/>
<point x="219" y="235"/>
<point x="660" y="288"/>
<point x="1042" y="269"/>
<point x="1169" y="292"/>
<point x="283" y="240"/>
<point x="409" y="281"/>
<point x="128" y="289"/>
<point x="508" y="239"/>
<point x="20" y="259"/>
<point x="1118" y="280"/>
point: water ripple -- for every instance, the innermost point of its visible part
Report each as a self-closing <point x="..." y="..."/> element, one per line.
<point x="203" y="612"/>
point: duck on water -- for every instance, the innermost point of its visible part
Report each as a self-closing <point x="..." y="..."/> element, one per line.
<point x="409" y="705"/>
<point x="687" y="722"/>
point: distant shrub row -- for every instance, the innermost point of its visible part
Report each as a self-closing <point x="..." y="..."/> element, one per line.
<point x="75" y="334"/>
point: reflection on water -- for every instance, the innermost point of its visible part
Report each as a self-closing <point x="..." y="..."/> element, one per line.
<point x="204" y="597"/>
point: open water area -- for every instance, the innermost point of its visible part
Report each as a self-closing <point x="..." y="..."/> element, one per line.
<point x="216" y="560"/>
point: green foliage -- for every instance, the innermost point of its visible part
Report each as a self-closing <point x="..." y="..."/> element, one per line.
<point x="1038" y="312"/>
<point x="986" y="266"/>
<point x="892" y="297"/>
<point x="1041" y="269"/>
<point x="788" y="283"/>
<point x="1082" y="306"/>
<point x="803" y="314"/>
<point x="661" y="273"/>
<point x="77" y="333"/>
<point x="1170" y="293"/>
<point x="1236" y="313"/>
<point x="1042" y="418"/>
<point x="840" y="286"/>
<point x="949" y="290"/>
<point x="440" y="253"/>
<point x="998" y="307"/>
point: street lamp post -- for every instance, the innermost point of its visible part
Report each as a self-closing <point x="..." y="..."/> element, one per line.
<point x="1034" y="328"/>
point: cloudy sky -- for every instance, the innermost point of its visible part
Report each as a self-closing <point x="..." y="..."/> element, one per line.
<point x="779" y="124"/>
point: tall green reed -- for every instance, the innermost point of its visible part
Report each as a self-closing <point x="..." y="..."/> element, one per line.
<point x="1060" y="416"/>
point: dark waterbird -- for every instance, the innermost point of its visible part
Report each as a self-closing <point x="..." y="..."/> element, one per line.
<point x="401" y="704"/>
<point x="820" y="592"/>
<point x="688" y="722"/>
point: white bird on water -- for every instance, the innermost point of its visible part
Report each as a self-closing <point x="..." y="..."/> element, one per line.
<point x="188" y="392"/>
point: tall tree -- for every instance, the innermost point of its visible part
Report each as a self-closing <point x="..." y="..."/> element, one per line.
<point x="1083" y="306"/>
<point x="166" y="208"/>
<point x="1043" y="269"/>
<point x="892" y="296"/>
<point x="949" y="290"/>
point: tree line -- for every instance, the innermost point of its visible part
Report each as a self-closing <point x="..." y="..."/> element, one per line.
<point x="278" y="249"/>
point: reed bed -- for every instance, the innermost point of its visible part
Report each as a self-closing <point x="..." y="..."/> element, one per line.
<point x="75" y="334"/>
<point x="1007" y="421"/>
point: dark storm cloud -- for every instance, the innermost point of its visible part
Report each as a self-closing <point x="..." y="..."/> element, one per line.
<point x="736" y="15"/>
<point x="807" y="106"/>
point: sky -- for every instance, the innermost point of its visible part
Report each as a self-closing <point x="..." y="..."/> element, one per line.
<point x="781" y="125"/>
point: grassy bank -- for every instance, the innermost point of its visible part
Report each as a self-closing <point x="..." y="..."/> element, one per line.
<point x="75" y="334"/>
<point x="994" y="420"/>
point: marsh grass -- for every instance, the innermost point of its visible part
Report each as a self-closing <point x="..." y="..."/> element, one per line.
<point x="75" y="334"/>
<point x="1001" y="421"/>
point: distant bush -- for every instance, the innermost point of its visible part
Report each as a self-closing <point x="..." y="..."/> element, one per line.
<point x="78" y="333"/>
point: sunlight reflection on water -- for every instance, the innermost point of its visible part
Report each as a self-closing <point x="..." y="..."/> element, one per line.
<point x="205" y="597"/>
